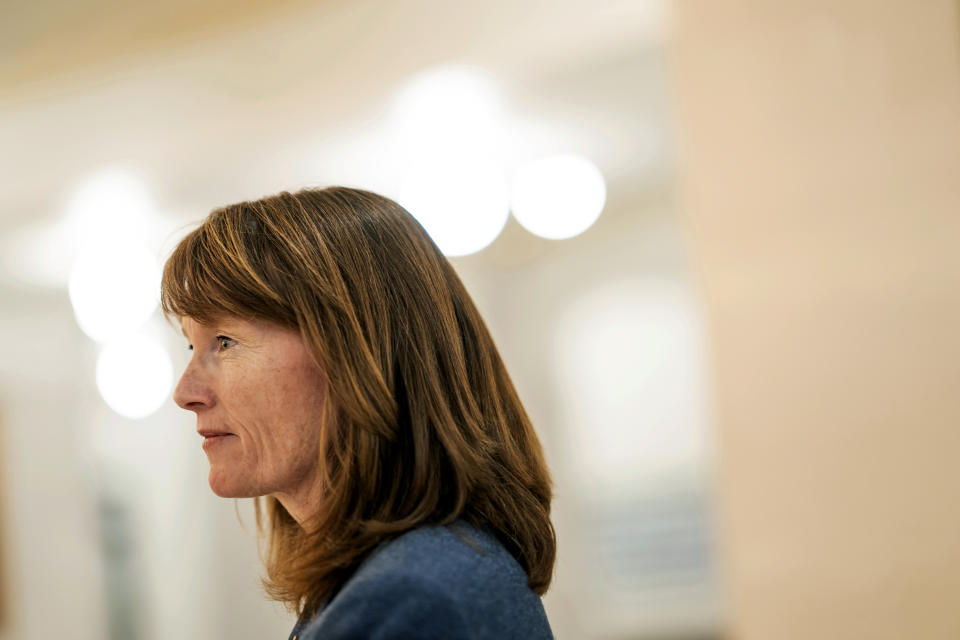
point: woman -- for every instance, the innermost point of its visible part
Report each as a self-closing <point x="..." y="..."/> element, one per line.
<point x="341" y="374"/>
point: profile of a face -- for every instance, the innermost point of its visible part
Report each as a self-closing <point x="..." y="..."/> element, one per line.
<point x="255" y="381"/>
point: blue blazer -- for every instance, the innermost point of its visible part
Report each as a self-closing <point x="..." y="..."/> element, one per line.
<point x="432" y="583"/>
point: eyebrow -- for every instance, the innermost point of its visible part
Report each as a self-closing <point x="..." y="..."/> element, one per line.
<point x="221" y="321"/>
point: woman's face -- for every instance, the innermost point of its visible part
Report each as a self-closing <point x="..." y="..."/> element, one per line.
<point x="255" y="381"/>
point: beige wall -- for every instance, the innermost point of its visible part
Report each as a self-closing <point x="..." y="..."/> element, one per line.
<point x="821" y="165"/>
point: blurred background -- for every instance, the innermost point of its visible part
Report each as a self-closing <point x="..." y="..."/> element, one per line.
<point x="716" y="244"/>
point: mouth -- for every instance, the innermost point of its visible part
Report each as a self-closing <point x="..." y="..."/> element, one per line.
<point x="214" y="440"/>
<point x="210" y="433"/>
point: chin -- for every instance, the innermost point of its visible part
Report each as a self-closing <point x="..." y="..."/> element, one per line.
<point x="226" y="486"/>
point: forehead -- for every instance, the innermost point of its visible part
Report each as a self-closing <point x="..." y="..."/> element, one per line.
<point x="188" y="323"/>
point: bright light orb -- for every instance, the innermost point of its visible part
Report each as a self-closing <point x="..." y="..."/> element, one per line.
<point x="559" y="196"/>
<point x="114" y="290"/>
<point x="110" y="206"/>
<point x="448" y="108"/>
<point x="134" y="376"/>
<point x="462" y="205"/>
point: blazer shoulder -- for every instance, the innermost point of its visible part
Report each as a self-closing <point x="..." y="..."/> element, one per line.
<point x="436" y="552"/>
<point x="454" y="581"/>
<point x="396" y="604"/>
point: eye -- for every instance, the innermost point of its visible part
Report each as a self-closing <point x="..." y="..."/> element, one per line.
<point x="220" y="340"/>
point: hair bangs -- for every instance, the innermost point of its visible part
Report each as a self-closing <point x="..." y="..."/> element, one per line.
<point x="222" y="268"/>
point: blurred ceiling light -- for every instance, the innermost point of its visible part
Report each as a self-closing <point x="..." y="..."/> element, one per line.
<point x="452" y="109"/>
<point x="111" y="205"/>
<point x="447" y="125"/>
<point x="114" y="290"/>
<point x="108" y="207"/>
<point x="114" y="280"/>
<point x="558" y="196"/>
<point x="463" y="206"/>
<point x="134" y="375"/>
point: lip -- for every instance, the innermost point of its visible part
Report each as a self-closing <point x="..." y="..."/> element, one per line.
<point x="216" y="439"/>
<point x="208" y="433"/>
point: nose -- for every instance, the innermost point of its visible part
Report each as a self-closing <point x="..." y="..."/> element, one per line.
<point x="192" y="392"/>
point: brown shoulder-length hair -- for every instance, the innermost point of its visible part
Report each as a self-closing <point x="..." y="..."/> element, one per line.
<point x="424" y="425"/>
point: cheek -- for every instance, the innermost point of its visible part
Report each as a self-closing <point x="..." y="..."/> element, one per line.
<point x="295" y="425"/>
<point x="274" y="416"/>
<point x="249" y="410"/>
<point x="276" y="410"/>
